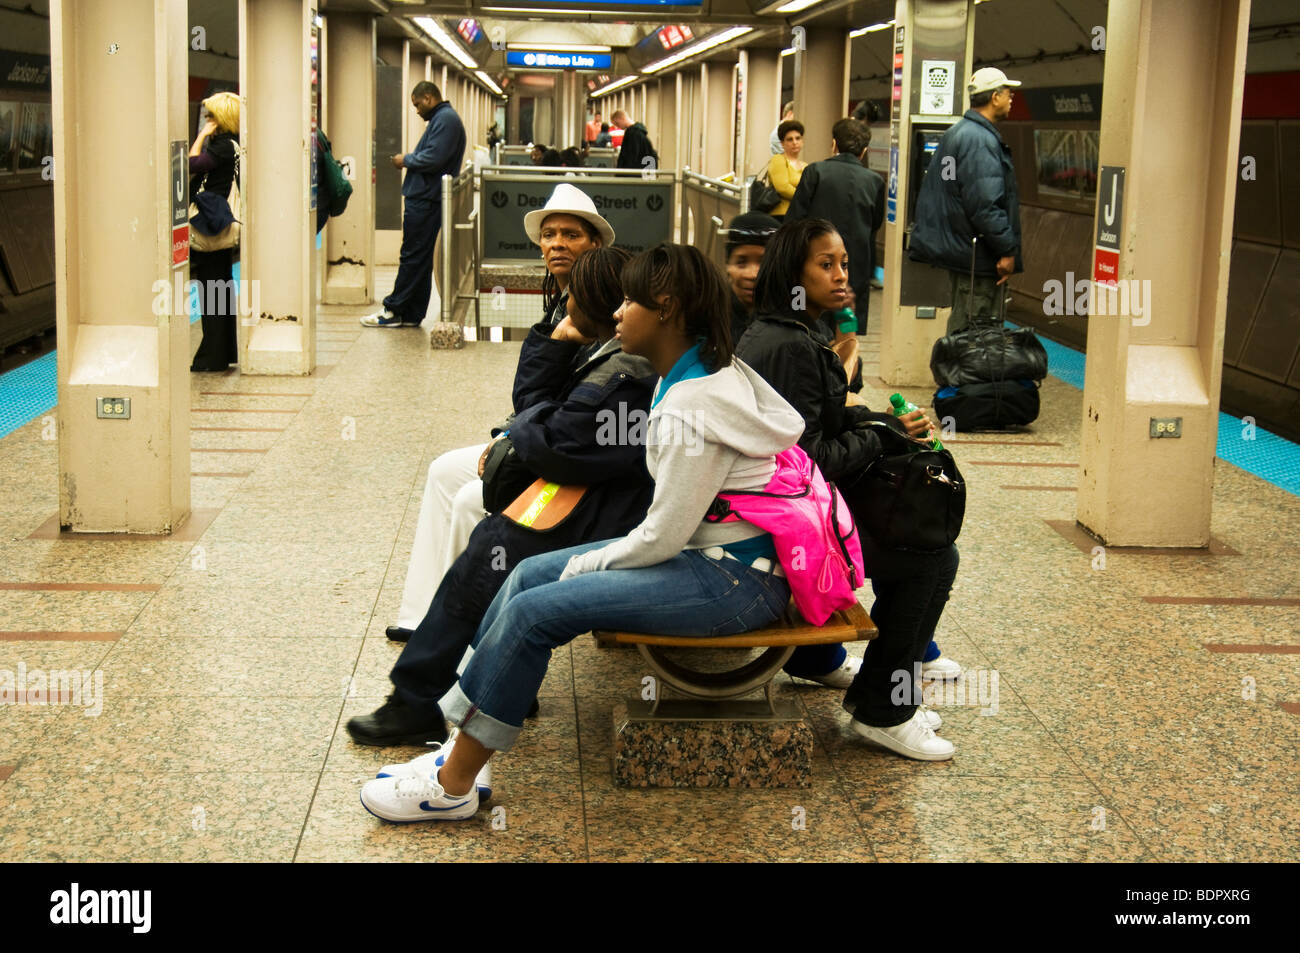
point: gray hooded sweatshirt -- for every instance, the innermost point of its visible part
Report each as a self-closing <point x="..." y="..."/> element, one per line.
<point x="706" y="436"/>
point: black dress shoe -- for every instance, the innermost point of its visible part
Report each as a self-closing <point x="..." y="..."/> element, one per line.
<point x="396" y="633"/>
<point x="532" y="712"/>
<point x="396" y="723"/>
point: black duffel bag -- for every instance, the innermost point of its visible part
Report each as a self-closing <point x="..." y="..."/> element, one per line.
<point x="980" y="354"/>
<point x="910" y="498"/>
<point x="989" y="405"/>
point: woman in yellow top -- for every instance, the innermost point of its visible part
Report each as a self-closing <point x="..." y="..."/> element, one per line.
<point x="785" y="170"/>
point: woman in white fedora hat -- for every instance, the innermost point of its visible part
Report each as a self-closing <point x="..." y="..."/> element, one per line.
<point x="453" y="492"/>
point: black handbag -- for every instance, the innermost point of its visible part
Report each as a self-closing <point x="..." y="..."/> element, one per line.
<point x="762" y="197"/>
<point x="991" y="405"/>
<point x="505" y="475"/>
<point x="909" y="498"/>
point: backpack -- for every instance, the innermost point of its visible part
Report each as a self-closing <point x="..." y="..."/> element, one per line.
<point x="336" y="183"/>
<point x="813" y="531"/>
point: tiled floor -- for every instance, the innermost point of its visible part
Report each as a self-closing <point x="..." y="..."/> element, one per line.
<point x="225" y="680"/>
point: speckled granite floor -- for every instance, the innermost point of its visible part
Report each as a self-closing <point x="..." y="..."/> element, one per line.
<point x="230" y="662"/>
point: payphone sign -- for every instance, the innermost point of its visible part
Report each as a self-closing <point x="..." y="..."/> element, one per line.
<point x="641" y="214"/>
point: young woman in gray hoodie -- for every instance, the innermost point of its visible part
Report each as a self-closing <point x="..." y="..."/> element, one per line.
<point x="714" y="426"/>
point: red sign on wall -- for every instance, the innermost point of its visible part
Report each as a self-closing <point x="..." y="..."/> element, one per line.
<point x="1105" y="267"/>
<point x="180" y="244"/>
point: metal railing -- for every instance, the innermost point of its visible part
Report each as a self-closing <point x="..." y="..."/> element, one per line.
<point x="707" y="206"/>
<point x="460" y="245"/>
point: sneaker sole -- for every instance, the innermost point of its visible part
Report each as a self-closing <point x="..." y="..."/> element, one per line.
<point x="912" y="753"/>
<point x="414" y="820"/>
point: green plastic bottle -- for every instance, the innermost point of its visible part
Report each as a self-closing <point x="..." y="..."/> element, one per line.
<point x="847" y="320"/>
<point x="902" y="407"/>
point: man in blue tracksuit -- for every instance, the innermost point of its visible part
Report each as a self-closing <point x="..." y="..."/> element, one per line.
<point x="440" y="151"/>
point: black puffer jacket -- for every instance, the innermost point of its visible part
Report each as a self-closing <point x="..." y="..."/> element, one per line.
<point x="809" y="375"/>
<point x="978" y="198"/>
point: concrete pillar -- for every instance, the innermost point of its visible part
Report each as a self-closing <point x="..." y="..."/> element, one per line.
<point x="821" y="88"/>
<point x="691" y="119"/>
<point x="120" y="306"/>
<point x="653" y="120"/>
<point x="278" y="241"/>
<point x="1160" y="358"/>
<point x="762" y="108"/>
<point x="719" y="108"/>
<point x="350" y="121"/>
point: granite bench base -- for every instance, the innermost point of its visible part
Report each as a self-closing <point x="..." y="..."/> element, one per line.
<point x="663" y="750"/>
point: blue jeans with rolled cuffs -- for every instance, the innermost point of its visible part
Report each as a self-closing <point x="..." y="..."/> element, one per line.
<point x="535" y="613"/>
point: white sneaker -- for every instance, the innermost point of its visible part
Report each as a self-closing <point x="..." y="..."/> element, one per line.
<point x="842" y="677"/>
<point x="941" y="669"/>
<point x="381" y="319"/>
<point x="426" y="764"/>
<point x="931" y="717"/>
<point x="912" y="739"/>
<point x="416" y="798"/>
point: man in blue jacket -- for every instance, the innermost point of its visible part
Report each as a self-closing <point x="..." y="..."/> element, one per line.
<point x="969" y="193"/>
<point x="439" y="152"/>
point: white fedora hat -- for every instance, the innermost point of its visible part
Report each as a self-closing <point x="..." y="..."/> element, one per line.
<point x="567" y="200"/>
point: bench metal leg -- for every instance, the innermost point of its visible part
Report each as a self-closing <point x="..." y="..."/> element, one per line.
<point x="718" y="687"/>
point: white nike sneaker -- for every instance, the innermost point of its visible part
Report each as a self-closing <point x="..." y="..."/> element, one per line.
<point x="912" y="739"/>
<point x="841" y="677"/>
<point x="427" y="763"/>
<point x="941" y="669"/>
<point x="931" y="717"/>
<point x="411" y="798"/>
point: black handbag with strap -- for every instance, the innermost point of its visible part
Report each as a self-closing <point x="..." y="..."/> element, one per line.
<point x="762" y="197"/>
<point x="910" y="497"/>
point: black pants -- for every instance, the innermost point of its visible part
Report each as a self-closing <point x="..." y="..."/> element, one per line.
<point x="414" y="284"/>
<point x="218" y="306"/>
<point x="911" y="590"/>
<point x="426" y="669"/>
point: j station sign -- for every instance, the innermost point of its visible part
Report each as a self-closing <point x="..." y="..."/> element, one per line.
<point x="543" y="60"/>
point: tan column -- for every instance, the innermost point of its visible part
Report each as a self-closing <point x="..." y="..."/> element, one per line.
<point x="350" y="121"/>
<point x="278" y="241"/>
<point x="120" y="305"/>
<point x="821" y="87"/>
<point x="691" y="118"/>
<point x="1155" y="351"/>
<point x="719" y="115"/>
<point x="762" y="108"/>
<point x="654" y="120"/>
<point x="413" y="70"/>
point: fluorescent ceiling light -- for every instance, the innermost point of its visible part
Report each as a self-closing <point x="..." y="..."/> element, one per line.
<point x="789" y="51"/>
<point x="875" y="27"/>
<point x="534" y="11"/>
<point x="487" y="81"/>
<point x="708" y="43"/>
<point x="794" y="6"/>
<point x="559" y="47"/>
<point x="617" y="84"/>
<point x="430" y="26"/>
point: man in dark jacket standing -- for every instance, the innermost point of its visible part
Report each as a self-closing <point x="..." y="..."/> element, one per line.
<point x="969" y="195"/>
<point x="851" y="197"/>
<point x="439" y="152"/>
<point x="636" y="144"/>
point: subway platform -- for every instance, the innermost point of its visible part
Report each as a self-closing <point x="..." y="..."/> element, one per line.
<point x="1118" y="705"/>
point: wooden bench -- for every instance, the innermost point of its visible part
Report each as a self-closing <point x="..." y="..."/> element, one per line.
<point x="714" y="695"/>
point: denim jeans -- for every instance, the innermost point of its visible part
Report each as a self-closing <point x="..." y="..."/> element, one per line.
<point x="535" y="613"/>
<point x="911" y="590"/>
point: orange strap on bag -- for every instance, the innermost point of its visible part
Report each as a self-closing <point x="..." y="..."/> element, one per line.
<point x="544" y="505"/>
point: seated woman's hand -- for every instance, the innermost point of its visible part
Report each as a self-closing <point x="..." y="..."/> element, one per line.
<point x="918" y="425"/>
<point x="566" y="331"/>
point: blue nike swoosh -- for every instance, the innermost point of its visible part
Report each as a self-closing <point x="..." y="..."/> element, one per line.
<point x="424" y="806"/>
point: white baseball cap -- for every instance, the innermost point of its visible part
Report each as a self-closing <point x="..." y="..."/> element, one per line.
<point x="989" y="78"/>
<point x="567" y="200"/>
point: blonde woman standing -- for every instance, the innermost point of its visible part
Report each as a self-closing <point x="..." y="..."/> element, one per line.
<point x="785" y="170"/>
<point x="212" y="170"/>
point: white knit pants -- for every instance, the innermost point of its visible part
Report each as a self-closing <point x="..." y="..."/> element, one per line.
<point x="452" y="506"/>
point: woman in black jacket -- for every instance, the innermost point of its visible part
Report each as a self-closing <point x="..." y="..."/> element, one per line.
<point x="212" y="169"/>
<point x="805" y="273"/>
